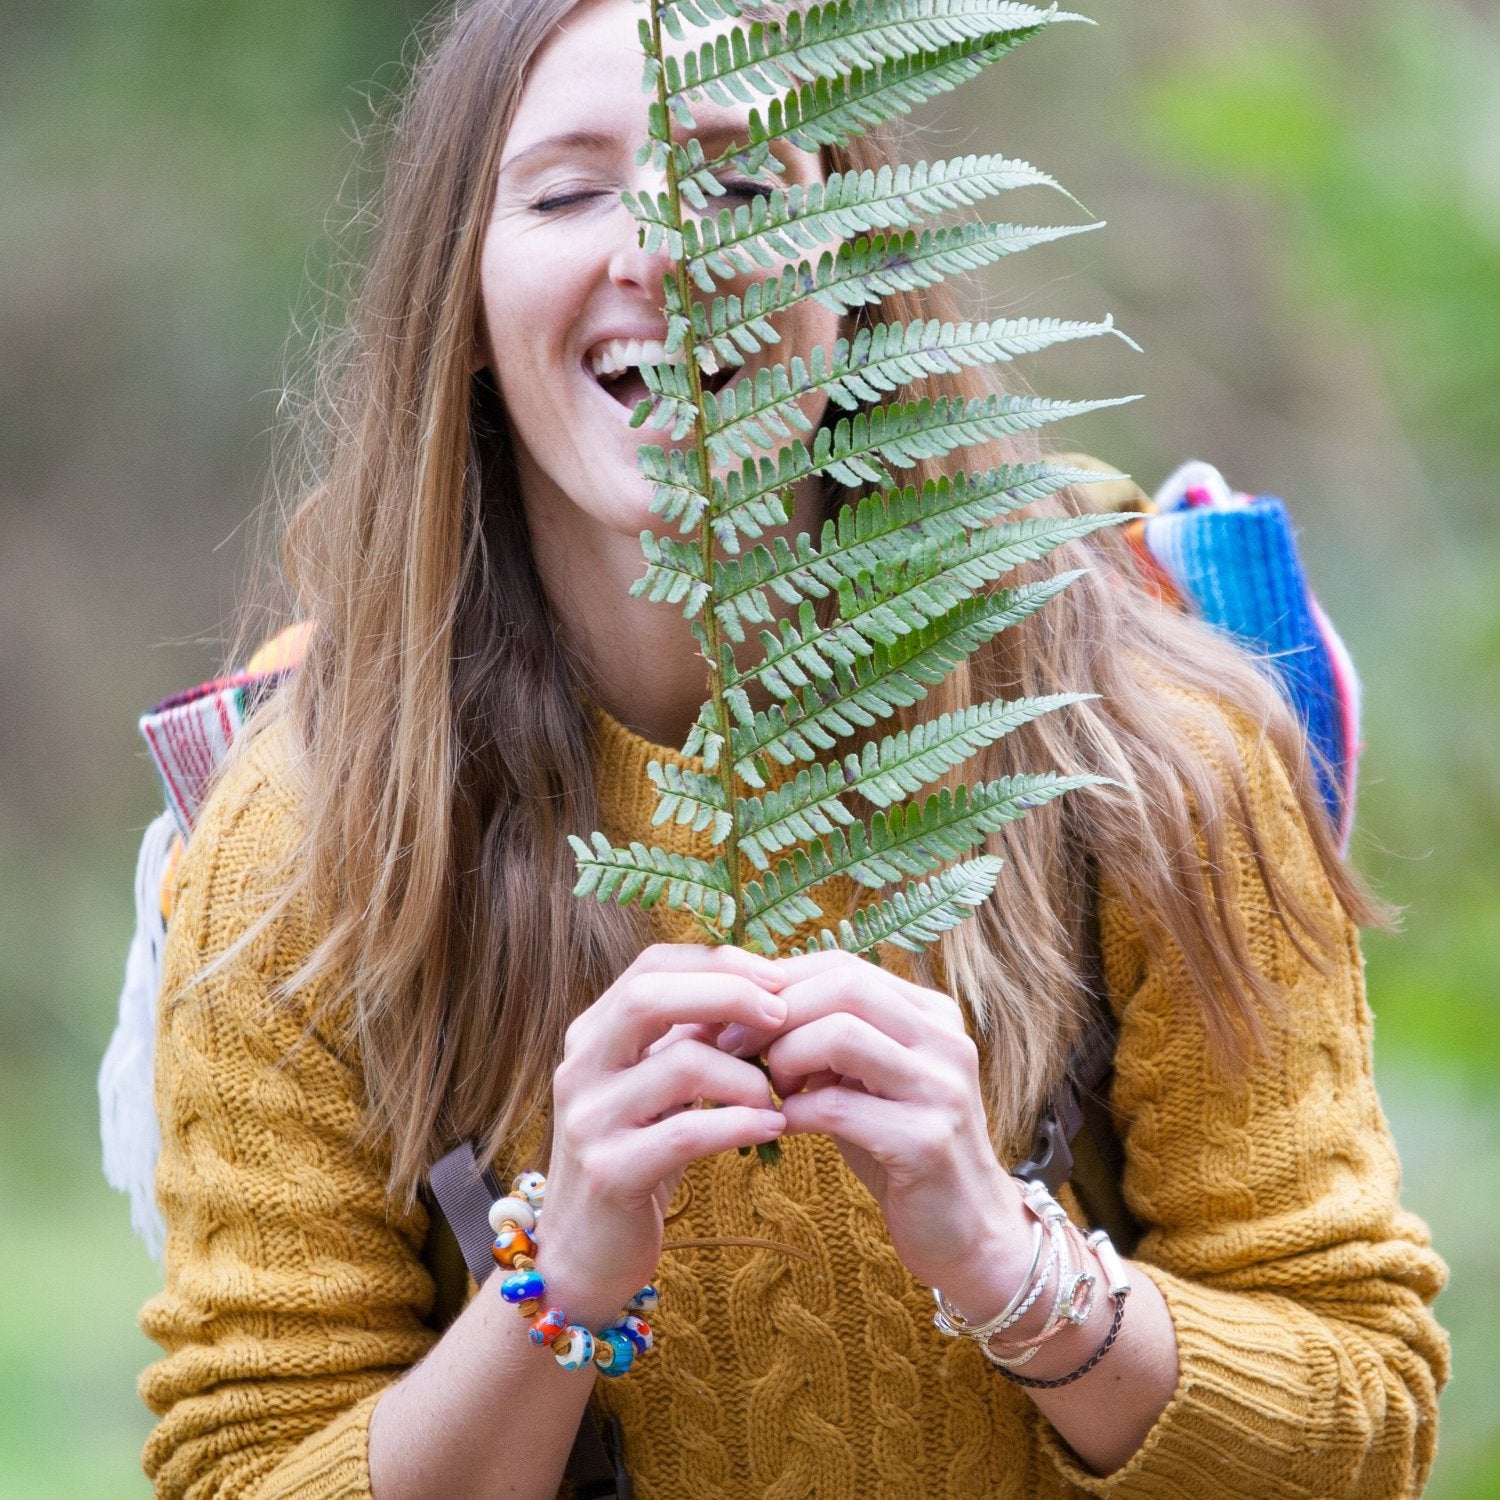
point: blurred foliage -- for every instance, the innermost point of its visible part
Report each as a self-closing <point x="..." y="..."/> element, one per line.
<point x="1305" y="207"/>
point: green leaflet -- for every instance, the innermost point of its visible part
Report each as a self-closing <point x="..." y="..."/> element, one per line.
<point x="810" y="641"/>
<point x="830" y="40"/>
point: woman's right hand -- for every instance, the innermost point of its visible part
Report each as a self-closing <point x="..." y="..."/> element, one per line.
<point x="624" y="1123"/>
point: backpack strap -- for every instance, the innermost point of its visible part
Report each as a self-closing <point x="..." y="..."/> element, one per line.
<point x="464" y="1191"/>
<point x="1076" y="1141"/>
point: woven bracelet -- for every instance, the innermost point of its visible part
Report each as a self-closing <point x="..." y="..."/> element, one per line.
<point x="1051" y="1385"/>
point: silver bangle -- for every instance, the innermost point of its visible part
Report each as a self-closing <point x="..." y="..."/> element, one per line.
<point x="949" y="1320"/>
<point x="1049" y="1214"/>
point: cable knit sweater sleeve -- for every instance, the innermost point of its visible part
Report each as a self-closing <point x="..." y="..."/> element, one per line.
<point x="293" y="1292"/>
<point x="1299" y="1289"/>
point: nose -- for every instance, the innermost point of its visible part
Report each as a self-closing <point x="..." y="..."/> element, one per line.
<point x="632" y="267"/>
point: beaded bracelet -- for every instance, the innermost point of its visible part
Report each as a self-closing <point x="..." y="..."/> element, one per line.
<point x="613" y="1350"/>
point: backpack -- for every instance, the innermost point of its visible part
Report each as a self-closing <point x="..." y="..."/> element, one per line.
<point x="1229" y="558"/>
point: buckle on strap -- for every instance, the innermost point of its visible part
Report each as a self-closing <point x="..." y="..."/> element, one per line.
<point x="1050" y="1160"/>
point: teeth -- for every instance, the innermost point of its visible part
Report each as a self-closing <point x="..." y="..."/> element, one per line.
<point x="615" y="355"/>
<point x="623" y="354"/>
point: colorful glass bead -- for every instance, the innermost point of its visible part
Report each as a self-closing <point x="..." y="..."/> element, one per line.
<point x="637" y="1330"/>
<point x="511" y="1244"/>
<point x="573" y="1348"/>
<point x="515" y="1211"/>
<point x="531" y="1186"/>
<point x="523" y="1286"/>
<point x="614" y="1353"/>
<point x="548" y="1326"/>
<point x="646" y="1301"/>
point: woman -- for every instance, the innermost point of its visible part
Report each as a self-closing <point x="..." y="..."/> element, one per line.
<point x="375" y="953"/>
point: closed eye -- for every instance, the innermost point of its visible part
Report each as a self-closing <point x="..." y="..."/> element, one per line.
<point x="569" y="198"/>
<point x="747" y="188"/>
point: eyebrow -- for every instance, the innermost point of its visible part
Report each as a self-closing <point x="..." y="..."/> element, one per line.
<point x="573" y="140"/>
<point x="712" y="136"/>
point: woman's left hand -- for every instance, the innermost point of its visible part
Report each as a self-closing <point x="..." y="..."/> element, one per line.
<point x="886" y="1068"/>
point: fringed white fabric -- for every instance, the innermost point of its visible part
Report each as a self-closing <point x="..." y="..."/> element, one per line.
<point x="127" y="1110"/>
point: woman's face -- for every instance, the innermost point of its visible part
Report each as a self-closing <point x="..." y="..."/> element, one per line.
<point x="571" y="301"/>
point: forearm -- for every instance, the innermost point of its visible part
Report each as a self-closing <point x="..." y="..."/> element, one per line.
<point x="1105" y="1414"/>
<point x="488" y="1413"/>
<point x="485" y="1414"/>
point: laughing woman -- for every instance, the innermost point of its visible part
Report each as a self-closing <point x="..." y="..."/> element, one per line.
<point x="374" y="954"/>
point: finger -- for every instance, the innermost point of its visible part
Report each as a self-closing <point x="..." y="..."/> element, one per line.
<point x="722" y="958"/>
<point x="708" y="1032"/>
<point x="849" y="1046"/>
<point x="643" y="1008"/>
<point x="668" y="1146"/>
<point x="833" y="962"/>
<point x="888" y="1131"/>
<point x="686" y="1073"/>
<point x="859" y="990"/>
<point x="744" y="1041"/>
<point x="847" y="983"/>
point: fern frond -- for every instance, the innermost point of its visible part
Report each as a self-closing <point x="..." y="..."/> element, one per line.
<point x="847" y="204"/>
<point x="748" y="414"/>
<point x="917" y="914"/>
<point x="690" y="798"/>
<point x="865" y="270"/>
<point x="875" y="363"/>
<point x="882" y="527"/>
<point x="890" y="678"/>
<point x="695" y="13"/>
<point x="644" y="876"/>
<point x="786" y="222"/>
<point x="674" y="572"/>
<point x="812" y="803"/>
<point x="901" y="585"/>
<point x="679" y="494"/>
<point x="831" y="111"/>
<point x="894" y="599"/>
<point x="905" y="762"/>
<point x="827" y="41"/>
<point x="805" y="807"/>
<point x="916" y="837"/>
<point x="910" y="839"/>
<point x="859" y="448"/>
<point x="755" y="486"/>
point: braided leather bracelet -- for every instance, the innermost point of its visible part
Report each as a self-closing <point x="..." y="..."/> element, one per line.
<point x="1053" y="1228"/>
<point x="1119" y="1290"/>
<point x="1051" y="1385"/>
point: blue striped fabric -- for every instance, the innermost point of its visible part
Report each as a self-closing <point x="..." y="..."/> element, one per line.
<point x="1235" y="562"/>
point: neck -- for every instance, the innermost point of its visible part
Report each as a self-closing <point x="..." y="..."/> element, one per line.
<point x="642" y="660"/>
<point x="646" y="668"/>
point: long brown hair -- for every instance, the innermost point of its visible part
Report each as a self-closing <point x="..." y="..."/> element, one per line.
<point x="450" y="747"/>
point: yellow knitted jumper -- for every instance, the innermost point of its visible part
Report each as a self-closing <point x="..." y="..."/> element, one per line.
<point x="294" y="1293"/>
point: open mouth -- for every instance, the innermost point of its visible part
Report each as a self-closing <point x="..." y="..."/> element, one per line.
<point x="616" y="366"/>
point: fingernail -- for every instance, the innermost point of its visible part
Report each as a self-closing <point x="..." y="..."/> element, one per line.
<point x="774" y="1011"/>
<point x="732" y="1038"/>
<point x="773" y="1119"/>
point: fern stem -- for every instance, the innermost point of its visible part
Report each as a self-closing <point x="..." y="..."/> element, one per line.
<point x="706" y="535"/>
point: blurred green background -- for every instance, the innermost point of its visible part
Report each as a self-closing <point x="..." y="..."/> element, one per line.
<point x="1305" y="211"/>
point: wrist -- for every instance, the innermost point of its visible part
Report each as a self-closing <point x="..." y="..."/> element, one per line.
<point x="586" y="1298"/>
<point x="981" y="1282"/>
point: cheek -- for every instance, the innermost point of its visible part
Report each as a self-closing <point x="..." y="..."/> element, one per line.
<point x="523" y="292"/>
